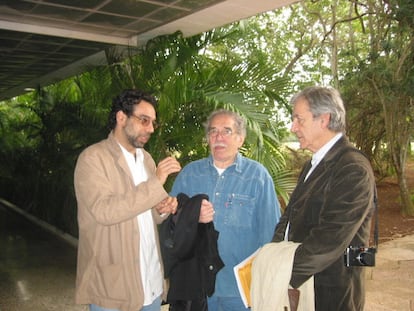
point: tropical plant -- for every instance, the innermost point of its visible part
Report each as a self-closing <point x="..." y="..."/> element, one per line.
<point x="189" y="83"/>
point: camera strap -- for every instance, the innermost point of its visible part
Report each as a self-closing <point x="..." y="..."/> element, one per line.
<point x="376" y="230"/>
<point x="376" y="234"/>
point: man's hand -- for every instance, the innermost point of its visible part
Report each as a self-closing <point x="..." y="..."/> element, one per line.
<point x="166" y="167"/>
<point x="168" y="205"/>
<point x="206" y="212"/>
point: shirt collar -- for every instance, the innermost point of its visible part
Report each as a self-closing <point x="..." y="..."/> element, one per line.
<point x="318" y="156"/>
<point x="238" y="162"/>
<point x="139" y="155"/>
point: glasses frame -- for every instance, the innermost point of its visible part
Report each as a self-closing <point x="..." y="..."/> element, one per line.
<point x="226" y="132"/>
<point x="146" y="121"/>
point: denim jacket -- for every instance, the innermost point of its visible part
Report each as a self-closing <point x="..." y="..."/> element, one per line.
<point x="246" y="210"/>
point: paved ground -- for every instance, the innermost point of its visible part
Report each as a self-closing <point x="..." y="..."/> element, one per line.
<point x="390" y="284"/>
<point x="37" y="270"/>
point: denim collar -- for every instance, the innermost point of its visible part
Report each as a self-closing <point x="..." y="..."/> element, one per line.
<point x="238" y="162"/>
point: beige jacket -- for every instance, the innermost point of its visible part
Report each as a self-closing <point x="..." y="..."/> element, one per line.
<point x="271" y="273"/>
<point x="108" y="268"/>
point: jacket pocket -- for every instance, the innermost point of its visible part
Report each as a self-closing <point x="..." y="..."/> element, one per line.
<point x="109" y="282"/>
<point x="238" y="211"/>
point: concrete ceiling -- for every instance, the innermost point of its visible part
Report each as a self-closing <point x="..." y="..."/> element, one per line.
<point x="44" y="41"/>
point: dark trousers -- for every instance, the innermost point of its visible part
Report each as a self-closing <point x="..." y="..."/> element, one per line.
<point x="189" y="305"/>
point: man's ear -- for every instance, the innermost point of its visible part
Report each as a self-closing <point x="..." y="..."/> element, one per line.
<point x="240" y="140"/>
<point x="325" y="119"/>
<point x="121" y="117"/>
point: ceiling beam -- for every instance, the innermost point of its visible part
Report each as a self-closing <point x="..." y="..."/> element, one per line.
<point x="218" y="15"/>
<point x="214" y="16"/>
<point x="67" y="33"/>
<point x="75" y="68"/>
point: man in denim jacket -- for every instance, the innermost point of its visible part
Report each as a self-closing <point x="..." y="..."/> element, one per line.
<point x="243" y="196"/>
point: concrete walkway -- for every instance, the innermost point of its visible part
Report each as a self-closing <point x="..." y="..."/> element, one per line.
<point x="390" y="284"/>
<point x="37" y="270"/>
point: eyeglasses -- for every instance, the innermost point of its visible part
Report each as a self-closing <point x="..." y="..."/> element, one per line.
<point x="224" y="133"/>
<point x="146" y="121"/>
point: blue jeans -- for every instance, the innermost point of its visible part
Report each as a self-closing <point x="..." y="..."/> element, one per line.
<point x="225" y="304"/>
<point x="155" y="306"/>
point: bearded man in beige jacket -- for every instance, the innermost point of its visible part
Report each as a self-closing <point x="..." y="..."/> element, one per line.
<point x="121" y="199"/>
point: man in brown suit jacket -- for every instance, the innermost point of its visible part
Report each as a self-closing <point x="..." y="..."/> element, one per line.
<point x="332" y="205"/>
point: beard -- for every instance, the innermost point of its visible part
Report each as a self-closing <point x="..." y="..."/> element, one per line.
<point x="136" y="140"/>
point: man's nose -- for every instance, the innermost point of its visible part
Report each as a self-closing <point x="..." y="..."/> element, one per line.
<point x="293" y="127"/>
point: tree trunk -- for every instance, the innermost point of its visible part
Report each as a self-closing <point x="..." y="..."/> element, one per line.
<point x="407" y="206"/>
<point x="398" y="136"/>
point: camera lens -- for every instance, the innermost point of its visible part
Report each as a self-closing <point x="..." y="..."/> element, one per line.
<point x="366" y="259"/>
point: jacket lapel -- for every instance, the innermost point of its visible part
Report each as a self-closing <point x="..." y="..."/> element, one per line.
<point x="301" y="191"/>
<point x="116" y="152"/>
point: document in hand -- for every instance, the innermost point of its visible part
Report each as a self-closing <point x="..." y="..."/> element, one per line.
<point x="243" y="274"/>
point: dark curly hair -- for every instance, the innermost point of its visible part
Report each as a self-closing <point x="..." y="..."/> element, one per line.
<point x="125" y="102"/>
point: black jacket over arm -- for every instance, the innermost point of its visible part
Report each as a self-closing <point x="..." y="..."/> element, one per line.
<point x="189" y="251"/>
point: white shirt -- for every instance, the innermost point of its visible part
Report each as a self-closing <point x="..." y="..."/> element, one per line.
<point x="150" y="263"/>
<point x="319" y="155"/>
<point x="219" y="170"/>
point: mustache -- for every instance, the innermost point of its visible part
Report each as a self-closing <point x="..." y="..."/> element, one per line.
<point x="219" y="145"/>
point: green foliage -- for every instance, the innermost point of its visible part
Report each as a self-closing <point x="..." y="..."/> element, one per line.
<point x="196" y="83"/>
<point x="189" y="82"/>
<point x="44" y="133"/>
<point x="364" y="48"/>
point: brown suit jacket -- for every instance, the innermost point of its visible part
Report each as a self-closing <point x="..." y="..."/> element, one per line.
<point x="327" y="213"/>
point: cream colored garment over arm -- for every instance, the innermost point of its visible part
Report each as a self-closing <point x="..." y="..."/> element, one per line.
<point x="271" y="272"/>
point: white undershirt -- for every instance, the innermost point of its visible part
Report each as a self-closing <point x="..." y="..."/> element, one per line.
<point x="320" y="154"/>
<point x="219" y="170"/>
<point x="150" y="264"/>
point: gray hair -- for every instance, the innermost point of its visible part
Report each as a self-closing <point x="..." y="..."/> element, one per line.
<point x="324" y="100"/>
<point x="239" y="122"/>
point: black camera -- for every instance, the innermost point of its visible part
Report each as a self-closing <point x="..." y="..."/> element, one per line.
<point x="360" y="256"/>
